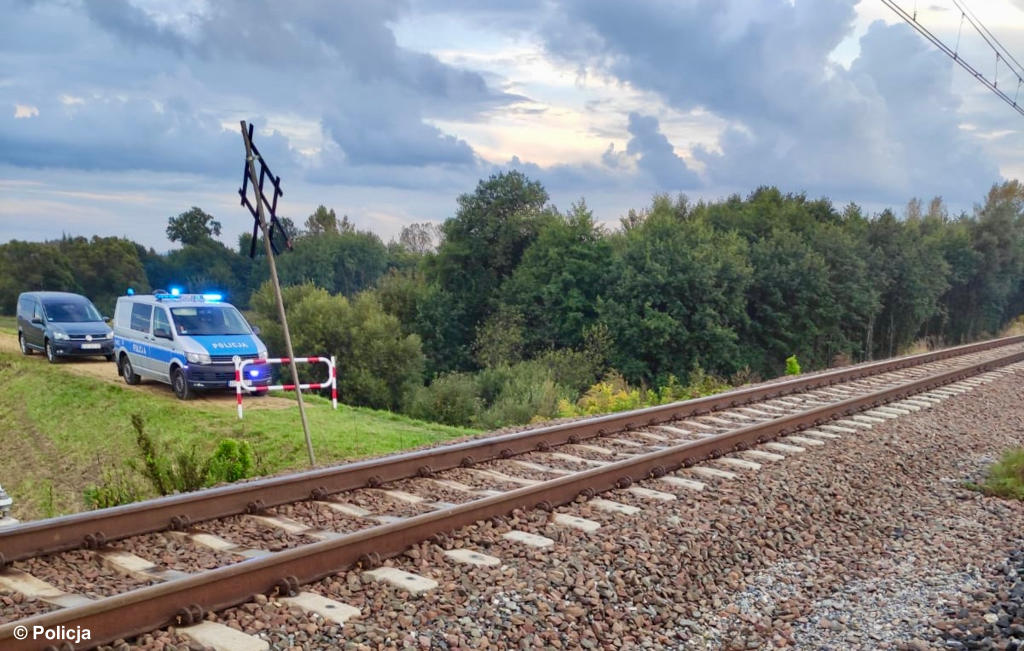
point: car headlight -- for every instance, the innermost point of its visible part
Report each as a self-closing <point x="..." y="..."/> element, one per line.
<point x="198" y="358"/>
<point x="110" y="334"/>
<point x="60" y="336"/>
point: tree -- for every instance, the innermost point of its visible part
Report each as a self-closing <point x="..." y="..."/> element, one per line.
<point x="560" y="278"/>
<point x="32" y="266"/>
<point x="677" y="296"/>
<point x="482" y="246"/>
<point x="104" y="267"/>
<point x="378" y="365"/>
<point x="322" y="222"/>
<point x="420" y="238"/>
<point x="192" y="227"/>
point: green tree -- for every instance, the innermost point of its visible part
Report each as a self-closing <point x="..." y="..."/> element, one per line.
<point x="32" y="266"/>
<point x="482" y="246"/>
<point x="192" y="227"/>
<point x="557" y="285"/>
<point x="677" y="298"/>
<point x="378" y="365"/>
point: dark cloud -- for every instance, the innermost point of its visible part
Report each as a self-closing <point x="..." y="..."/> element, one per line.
<point x="886" y="129"/>
<point x="149" y="91"/>
<point x="655" y="155"/>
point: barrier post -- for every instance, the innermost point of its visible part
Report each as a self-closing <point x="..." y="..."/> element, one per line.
<point x="334" y="382"/>
<point x="238" y="387"/>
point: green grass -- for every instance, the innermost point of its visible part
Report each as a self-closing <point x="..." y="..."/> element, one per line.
<point x="60" y="431"/>
<point x="1006" y="477"/>
<point x="9" y="324"/>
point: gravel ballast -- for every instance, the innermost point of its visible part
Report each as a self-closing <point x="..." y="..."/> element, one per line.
<point x="869" y="541"/>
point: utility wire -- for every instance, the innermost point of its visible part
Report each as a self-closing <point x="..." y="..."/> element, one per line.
<point x="989" y="37"/>
<point x="954" y="54"/>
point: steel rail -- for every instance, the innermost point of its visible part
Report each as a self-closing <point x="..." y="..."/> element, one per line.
<point x="177" y="512"/>
<point x="186" y="600"/>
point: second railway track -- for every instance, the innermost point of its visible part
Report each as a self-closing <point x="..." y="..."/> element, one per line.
<point x="389" y="504"/>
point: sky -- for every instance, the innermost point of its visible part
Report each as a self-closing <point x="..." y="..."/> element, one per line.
<point x="117" y="114"/>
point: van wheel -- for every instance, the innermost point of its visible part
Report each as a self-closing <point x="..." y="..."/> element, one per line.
<point x="50" y="356"/>
<point x="127" y="372"/>
<point x="25" y="350"/>
<point x="180" y="385"/>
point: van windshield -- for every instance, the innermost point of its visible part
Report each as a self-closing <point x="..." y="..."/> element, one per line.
<point x="209" y="320"/>
<point x="70" y="312"/>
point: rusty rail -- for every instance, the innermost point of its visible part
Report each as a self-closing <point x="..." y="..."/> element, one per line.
<point x="177" y="512"/>
<point x="184" y="601"/>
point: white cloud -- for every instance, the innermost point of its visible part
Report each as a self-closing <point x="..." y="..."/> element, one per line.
<point x="23" y="111"/>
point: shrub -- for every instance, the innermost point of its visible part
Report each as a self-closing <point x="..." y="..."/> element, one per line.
<point x="233" y="460"/>
<point x="378" y="365"/>
<point x="792" y="365"/>
<point x="115" y="488"/>
<point x="452" y="399"/>
<point x="613" y="394"/>
<point x="181" y="471"/>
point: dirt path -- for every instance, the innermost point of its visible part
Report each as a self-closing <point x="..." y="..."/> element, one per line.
<point x="100" y="369"/>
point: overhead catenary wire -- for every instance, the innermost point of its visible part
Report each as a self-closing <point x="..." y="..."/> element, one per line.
<point x="990" y="38"/>
<point x="992" y="85"/>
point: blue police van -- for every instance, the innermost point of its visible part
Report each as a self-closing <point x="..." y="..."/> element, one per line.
<point x="189" y="341"/>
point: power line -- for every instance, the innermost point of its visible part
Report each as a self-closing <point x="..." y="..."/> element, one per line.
<point x="987" y="35"/>
<point x="1000" y="51"/>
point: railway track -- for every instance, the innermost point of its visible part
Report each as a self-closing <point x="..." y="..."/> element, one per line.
<point x="296" y="529"/>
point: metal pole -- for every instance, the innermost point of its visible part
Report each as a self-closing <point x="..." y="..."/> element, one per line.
<point x="277" y="289"/>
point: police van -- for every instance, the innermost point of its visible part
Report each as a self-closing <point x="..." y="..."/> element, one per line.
<point x="189" y="341"/>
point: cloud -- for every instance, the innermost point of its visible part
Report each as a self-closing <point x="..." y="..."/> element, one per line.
<point x="886" y="129"/>
<point x="152" y="84"/>
<point x="655" y="155"/>
<point x="24" y="111"/>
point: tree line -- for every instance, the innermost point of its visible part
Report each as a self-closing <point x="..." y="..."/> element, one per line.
<point x="512" y="309"/>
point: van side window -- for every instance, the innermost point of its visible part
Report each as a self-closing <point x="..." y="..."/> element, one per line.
<point x="141" y="314"/>
<point x="37" y="310"/>
<point x="160" y="321"/>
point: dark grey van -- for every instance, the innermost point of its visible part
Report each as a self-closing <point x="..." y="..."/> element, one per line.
<point x="60" y="324"/>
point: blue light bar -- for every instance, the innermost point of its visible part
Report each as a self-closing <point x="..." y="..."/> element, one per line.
<point x="130" y="292"/>
<point x="175" y="291"/>
<point x="212" y="297"/>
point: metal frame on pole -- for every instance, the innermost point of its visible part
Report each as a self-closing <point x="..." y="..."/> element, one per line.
<point x="254" y="179"/>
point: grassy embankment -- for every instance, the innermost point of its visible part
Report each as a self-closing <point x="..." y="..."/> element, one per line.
<point x="60" y="431"/>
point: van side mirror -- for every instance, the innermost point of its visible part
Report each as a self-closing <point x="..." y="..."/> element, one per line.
<point x="106" y="318"/>
<point x="37" y="320"/>
<point x="162" y="333"/>
<point x="256" y="330"/>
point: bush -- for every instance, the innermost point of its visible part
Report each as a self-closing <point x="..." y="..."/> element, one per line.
<point x="614" y="394"/>
<point x="452" y="399"/>
<point x="233" y="460"/>
<point x="792" y="365"/>
<point x="527" y="393"/>
<point x="378" y="365"/>
<point x="114" y="489"/>
<point x="182" y="471"/>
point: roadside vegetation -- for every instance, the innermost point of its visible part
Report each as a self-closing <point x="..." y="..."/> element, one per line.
<point x="1006" y="477"/>
<point x="61" y="433"/>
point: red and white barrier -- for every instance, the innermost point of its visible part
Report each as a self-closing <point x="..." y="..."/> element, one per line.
<point x="241" y="382"/>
